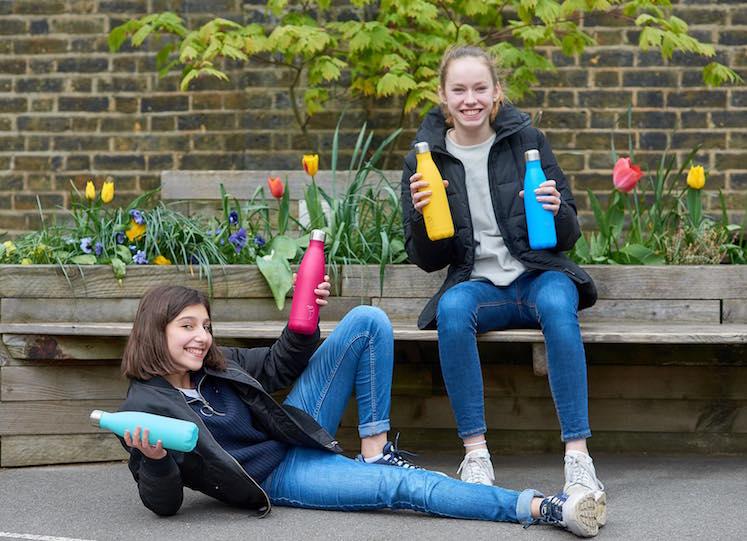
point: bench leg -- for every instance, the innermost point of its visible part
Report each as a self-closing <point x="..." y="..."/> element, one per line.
<point x="539" y="359"/>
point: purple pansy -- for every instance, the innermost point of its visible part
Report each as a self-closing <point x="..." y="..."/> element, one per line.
<point x="139" y="258"/>
<point x="120" y="238"/>
<point x="259" y="241"/>
<point x="238" y="239"/>
<point x="233" y="217"/>
<point x="85" y="245"/>
<point x="137" y="216"/>
<point x="98" y="248"/>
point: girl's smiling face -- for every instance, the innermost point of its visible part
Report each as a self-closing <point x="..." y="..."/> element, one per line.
<point x="188" y="338"/>
<point x="469" y="94"/>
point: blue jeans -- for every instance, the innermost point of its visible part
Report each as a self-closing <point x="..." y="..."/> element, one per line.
<point x="359" y="355"/>
<point x="546" y="300"/>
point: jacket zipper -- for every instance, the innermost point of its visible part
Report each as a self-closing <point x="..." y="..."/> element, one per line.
<point x="203" y="425"/>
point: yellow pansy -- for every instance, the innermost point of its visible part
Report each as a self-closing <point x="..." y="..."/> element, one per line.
<point x="310" y="164"/>
<point x="10" y="248"/>
<point x="107" y="191"/>
<point x="90" y="191"/>
<point x="26" y="261"/>
<point x="160" y="260"/>
<point x="135" y="231"/>
<point x="696" y="177"/>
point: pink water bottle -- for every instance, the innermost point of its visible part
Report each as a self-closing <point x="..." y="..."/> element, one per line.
<point x="304" y="312"/>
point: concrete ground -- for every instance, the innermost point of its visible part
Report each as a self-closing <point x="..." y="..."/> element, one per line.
<point x="650" y="498"/>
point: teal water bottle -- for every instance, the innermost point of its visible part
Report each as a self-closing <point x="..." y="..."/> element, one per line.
<point x="174" y="434"/>
<point x="540" y="222"/>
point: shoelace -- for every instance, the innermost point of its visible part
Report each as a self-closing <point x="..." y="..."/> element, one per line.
<point x="551" y="511"/>
<point x="397" y="456"/>
<point x="577" y="473"/>
<point x="477" y="469"/>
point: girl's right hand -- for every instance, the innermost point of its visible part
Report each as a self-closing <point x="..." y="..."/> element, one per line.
<point x="140" y="442"/>
<point x="421" y="198"/>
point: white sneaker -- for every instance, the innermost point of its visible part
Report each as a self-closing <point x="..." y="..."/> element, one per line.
<point x="581" y="477"/>
<point x="477" y="468"/>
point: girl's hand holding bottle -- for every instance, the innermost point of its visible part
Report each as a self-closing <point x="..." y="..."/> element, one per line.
<point x="548" y="195"/>
<point x="139" y="441"/>
<point x="421" y="198"/>
<point x="322" y="291"/>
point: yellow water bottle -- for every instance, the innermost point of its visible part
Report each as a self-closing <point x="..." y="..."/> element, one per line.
<point x="438" y="223"/>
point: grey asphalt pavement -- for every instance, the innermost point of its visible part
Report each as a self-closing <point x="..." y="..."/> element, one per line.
<point x="650" y="498"/>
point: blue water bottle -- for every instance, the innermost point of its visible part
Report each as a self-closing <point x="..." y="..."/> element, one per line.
<point x="174" y="434"/>
<point x="540" y="222"/>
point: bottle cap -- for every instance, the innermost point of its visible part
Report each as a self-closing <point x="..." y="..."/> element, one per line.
<point x="422" y="147"/>
<point x="317" y="234"/>
<point x="96" y="417"/>
<point x="531" y="155"/>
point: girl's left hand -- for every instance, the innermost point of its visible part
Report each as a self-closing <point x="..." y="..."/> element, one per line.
<point x="548" y="195"/>
<point x="322" y="291"/>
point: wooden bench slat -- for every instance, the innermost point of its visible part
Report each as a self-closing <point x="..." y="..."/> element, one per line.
<point x="620" y="333"/>
<point x="205" y="185"/>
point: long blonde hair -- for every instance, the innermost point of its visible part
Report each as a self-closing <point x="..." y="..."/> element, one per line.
<point x="456" y="52"/>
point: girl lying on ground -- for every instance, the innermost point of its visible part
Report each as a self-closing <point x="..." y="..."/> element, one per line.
<point x="253" y="452"/>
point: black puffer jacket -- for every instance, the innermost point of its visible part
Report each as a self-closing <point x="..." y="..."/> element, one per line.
<point x="209" y="468"/>
<point x="514" y="135"/>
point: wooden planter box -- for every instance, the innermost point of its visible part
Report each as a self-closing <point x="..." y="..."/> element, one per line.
<point x="62" y="338"/>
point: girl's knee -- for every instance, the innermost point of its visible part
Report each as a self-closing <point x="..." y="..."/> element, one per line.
<point x="453" y="308"/>
<point x="370" y="317"/>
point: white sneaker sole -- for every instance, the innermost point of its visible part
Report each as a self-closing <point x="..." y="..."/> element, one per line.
<point x="601" y="500"/>
<point x="580" y="512"/>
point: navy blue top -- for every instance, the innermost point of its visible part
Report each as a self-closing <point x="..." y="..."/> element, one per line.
<point x="229" y="420"/>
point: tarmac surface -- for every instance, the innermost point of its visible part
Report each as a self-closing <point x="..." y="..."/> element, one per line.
<point x="649" y="498"/>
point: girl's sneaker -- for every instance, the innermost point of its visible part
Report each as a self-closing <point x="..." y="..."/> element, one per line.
<point x="580" y="476"/>
<point x="477" y="468"/>
<point x="575" y="512"/>
<point x="391" y="456"/>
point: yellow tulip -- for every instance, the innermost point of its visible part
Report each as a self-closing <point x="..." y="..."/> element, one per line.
<point x="696" y="177"/>
<point x="135" y="231"/>
<point x="310" y="164"/>
<point x="90" y="191"/>
<point x="26" y="261"/>
<point x="160" y="260"/>
<point x="107" y="191"/>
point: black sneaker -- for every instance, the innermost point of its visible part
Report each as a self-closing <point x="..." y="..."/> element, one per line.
<point x="575" y="512"/>
<point x="393" y="457"/>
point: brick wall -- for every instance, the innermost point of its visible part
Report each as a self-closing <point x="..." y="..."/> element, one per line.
<point x="69" y="110"/>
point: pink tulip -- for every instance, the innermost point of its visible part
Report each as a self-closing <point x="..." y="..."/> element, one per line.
<point x="626" y="175"/>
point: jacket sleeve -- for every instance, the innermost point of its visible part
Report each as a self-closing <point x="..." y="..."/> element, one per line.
<point x="427" y="254"/>
<point x="566" y="222"/>
<point x="278" y="366"/>
<point x="159" y="482"/>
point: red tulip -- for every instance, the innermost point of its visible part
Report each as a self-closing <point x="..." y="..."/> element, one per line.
<point x="626" y="175"/>
<point x="276" y="187"/>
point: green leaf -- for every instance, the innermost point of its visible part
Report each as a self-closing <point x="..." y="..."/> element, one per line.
<point x="119" y="268"/>
<point x="123" y="252"/>
<point x="284" y="247"/>
<point x="277" y="272"/>
<point x="715" y="74"/>
<point x="139" y="37"/>
<point x="84" y="259"/>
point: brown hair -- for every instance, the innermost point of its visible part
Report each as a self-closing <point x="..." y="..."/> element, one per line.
<point x="456" y="52"/>
<point x="146" y="353"/>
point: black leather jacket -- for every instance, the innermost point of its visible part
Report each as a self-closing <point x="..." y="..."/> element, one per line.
<point x="514" y="135"/>
<point x="255" y="373"/>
